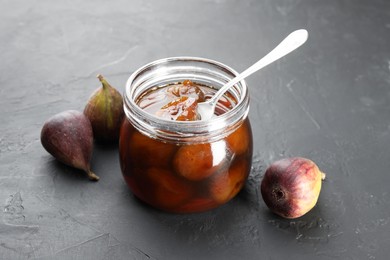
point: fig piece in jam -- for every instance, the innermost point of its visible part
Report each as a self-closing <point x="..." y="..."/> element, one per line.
<point x="199" y="161"/>
<point x="184" y="105"/>
<point x="188" y="89"/>
<point x="181" y="109"/>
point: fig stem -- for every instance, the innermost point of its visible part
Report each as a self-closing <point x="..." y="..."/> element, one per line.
<point x="323" y="176"/>
<point x="100" y="77"/>
<point x="92" y="176"/>
<point x="103" y="81"/>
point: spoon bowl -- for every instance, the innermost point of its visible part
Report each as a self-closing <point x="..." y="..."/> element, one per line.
<point x="291" y="42"/>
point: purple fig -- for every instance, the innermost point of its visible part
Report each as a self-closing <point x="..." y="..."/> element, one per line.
<point x="291" y="186"/>
<point x="68" y="137"/>
<point x="105" y="111"/>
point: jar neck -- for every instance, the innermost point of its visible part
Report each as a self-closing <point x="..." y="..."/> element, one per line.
<point x="163" y="72"/>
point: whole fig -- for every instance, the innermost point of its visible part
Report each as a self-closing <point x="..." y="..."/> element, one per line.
<point x="68" y="137"/>
<point x="105" y="111"/>
<point x="291" y="186"/>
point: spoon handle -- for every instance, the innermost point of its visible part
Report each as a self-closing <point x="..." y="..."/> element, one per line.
<point x="290" y="43"/>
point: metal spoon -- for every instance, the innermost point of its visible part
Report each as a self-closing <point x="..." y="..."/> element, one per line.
<point x="290" y="43"/>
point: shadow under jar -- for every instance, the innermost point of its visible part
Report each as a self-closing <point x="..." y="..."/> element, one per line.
<point x="185" y="166"/>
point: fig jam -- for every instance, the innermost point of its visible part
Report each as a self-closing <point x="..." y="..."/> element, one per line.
<point x="178" y="101"/>
<point x="174" y="173"/>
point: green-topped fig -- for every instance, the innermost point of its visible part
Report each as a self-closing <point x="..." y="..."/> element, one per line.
<point x="105" y="111"/>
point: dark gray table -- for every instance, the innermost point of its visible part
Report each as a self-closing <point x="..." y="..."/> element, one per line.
<point x="328" y="101"/>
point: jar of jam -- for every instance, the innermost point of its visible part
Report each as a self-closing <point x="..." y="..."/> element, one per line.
<point x="169" y="157"/>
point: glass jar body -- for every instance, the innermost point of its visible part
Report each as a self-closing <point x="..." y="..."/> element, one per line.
<point x="185" y="178"/>
<point x="185" y="167"/>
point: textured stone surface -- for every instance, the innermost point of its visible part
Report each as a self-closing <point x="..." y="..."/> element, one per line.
<point x="328" y="101"/>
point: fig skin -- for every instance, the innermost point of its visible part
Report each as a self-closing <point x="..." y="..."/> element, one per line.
<point x="68" y="137"/>
<point x="199" y="161"/>
<point x="105" y="112"/>
<point x="226" y="185"/>
<point x="149" y="152"/>
<point x="168" y="190"/>
<point x="291" y="186"/>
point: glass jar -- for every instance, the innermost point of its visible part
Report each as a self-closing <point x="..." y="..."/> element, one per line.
<point x="192" y="166"/>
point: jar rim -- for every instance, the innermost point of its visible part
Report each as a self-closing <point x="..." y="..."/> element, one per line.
<point x="182" y="129"/>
